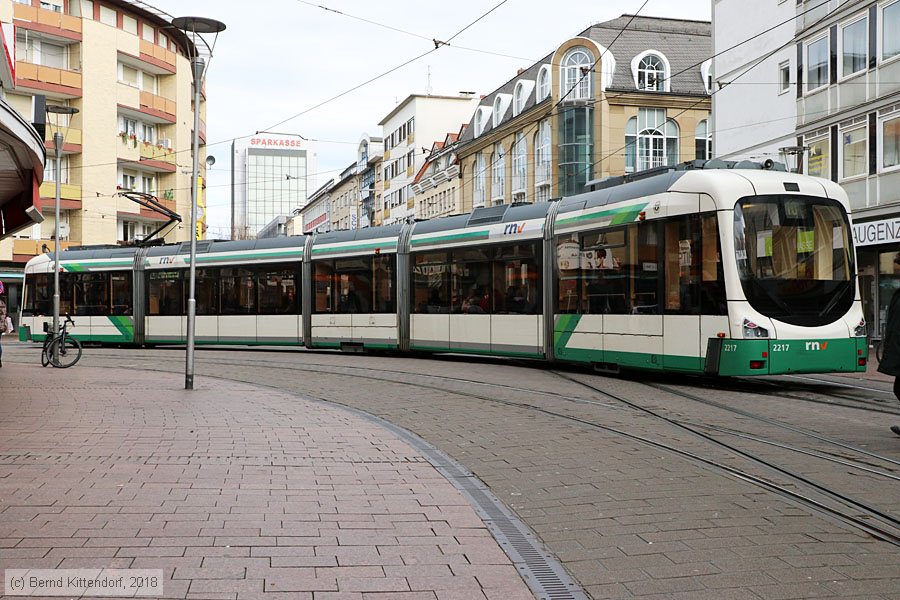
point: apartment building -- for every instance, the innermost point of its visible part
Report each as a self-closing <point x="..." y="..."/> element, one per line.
<point x="369" y="156"/>
<point x="315" y="216"/>
<point x="345" y="200"/>
<point x="621" y="96"/>
<point x="832" y="76"/>
<point x="127" y="71"/>
<point x="436" y="186"/>
<point x="414" y="122"/>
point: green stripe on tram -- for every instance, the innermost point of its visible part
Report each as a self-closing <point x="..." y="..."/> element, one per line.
<point x="620" y="216"/>
<point x="453" y="237"/>
<point x="125" y="326"/>
<point x="387" y="244"/>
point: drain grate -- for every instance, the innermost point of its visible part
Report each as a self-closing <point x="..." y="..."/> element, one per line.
<point x="546" y="577"/>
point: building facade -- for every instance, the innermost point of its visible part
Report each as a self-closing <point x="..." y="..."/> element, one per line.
<point x="416" y="121"/>
<point x="436" y="186"/>
<point x="316" y="214"/>
<point x="125" y="69"/>
<point x="842" y="75"/>
<point x="271" y="175"/>
<point x="621" y="96"/>
<point x="345" y="200"/>
<point x="369" y="156"/>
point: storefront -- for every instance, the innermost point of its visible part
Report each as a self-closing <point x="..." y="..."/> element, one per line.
<point x="12" y="295"/>
<point x="877" y="243"/>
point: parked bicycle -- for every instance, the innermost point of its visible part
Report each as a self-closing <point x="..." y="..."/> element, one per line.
<point x="61" y="349"/>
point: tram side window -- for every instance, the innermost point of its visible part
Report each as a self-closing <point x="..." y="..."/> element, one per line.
<point x="517" y="276"/>
<point x="323" y="283"/>
<point x="277" y="290"/>
<point x="120" y="293"/>
<point x="472" y="282"/>
<point x="238" y="291"/>
<point x="206" y="292"/>
<point x="682" y="265"/>
<point x="166" y="297"/>
<point x="384" y="294"/>
<point x="431" y="283"/>
<point x="353" y="283"/>
<point x="38" y="294"/>
<point x="593" y="271"/>
<point x="712" y="286"/>
<point x="91" y="294"/>
<point x="644" y="258"/>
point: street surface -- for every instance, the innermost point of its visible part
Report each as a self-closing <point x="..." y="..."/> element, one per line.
<point x="641" y="486"/>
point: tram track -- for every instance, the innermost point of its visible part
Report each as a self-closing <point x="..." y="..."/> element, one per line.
<point x="861" y="516"/>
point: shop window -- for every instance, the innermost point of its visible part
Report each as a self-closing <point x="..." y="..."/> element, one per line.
<point x="819" y="158"/>
<point x="854" y="152"/>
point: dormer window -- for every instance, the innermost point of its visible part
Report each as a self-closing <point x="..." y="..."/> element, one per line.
<point x="498" y="107"/>
<point x="481" y="119"/>
<point x="651" y="71"/>
<point x="543" y="83"/>
<point x="578" y="74"/>
<point x="519" y="98"/>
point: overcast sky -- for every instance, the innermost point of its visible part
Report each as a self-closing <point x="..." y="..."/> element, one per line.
<point x="281" y="57"/>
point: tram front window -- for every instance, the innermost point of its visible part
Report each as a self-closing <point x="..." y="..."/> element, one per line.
<point x="795" y="258"/>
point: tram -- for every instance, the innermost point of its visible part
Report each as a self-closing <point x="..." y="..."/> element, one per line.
<point x="708" y="267"/>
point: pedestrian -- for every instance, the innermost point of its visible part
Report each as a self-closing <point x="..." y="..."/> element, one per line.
<point x="890" y="359"/>
<point x="6" y="327"/>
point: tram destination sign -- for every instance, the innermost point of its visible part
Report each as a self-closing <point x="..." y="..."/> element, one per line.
<point x="877" y="232"/>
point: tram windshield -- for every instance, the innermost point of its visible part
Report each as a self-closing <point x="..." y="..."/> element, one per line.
<point x="795" y="257"/>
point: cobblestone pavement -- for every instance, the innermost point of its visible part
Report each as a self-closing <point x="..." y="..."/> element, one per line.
<point x="627" y="519"/>
<point x="233" y="490"/>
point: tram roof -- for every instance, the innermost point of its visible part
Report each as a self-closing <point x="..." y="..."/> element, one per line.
<point x="356" y="235"/>
<point x="92" y="253"/>
<point x="504" y="213"/>
<point x="208" y="246"/>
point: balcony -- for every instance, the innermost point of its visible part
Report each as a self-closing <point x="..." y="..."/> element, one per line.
<point x="69" y="195"/>
<point x="154" y="152"/>
<point x="24" y="250"/>
<point x="154" y="104"/>
<point x="42" y="19"/>
<point x="157" y="55"/>
<point x="40" y="77"/>
<point x="72" y="137"/>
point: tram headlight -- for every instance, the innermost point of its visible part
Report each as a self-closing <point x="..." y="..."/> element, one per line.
<point x="752" y="330"/>
<point x="860" y="329"/>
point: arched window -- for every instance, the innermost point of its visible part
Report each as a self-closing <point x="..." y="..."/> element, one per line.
<point x="519" y="98"/>
<point x="543" y="84"/>
<point x="498" y="179"/>
<point x="542" y="162"/>
<point x="479" y="174"/>
<point x="578" y="74"/>
<point x="651" y="140"/>
<point x="498" y="106"/>
<point x="651" y="74"/>
<point x="703" y="140"/>
<point x="479" y="121"/>
<point x="520" y="167"/>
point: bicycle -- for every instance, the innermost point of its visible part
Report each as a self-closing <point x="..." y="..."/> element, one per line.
<point x="60" y="350"/>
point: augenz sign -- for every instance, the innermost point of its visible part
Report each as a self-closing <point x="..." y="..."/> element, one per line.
<point x="876" y="232"/>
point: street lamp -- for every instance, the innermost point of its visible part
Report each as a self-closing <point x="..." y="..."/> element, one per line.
<point x="58" y="141"/>
<point x="194" y="27"/>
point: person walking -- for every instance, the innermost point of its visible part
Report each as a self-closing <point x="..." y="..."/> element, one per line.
<point x="890" y="358"/>
<point x="6" y="327"/>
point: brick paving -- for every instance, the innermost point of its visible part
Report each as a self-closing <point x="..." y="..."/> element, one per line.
<point x="233" y="490"/>
<point x="627" y="520"/>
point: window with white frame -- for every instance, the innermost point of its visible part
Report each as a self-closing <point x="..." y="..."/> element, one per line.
<point x="543" y="83"/>
<point x="41" y="52"/>
<point x="651" y="140"/>
<point x="542" y="165"/>
<point x="129" y="75"/>
<point x="784" y="77"/>
<point x="578" y="74"/>
<point x="520" y="164"/>
<point x="148" y="133"/>
<point x="128" y="126"/>
<point x="519" y="98"/>
<point x="818" y="157"/>
<point x="129" y="180"/>
<point x="54" y="5"/>
<point x="854" y="150"/>
<point x="129" y="24"/>
<point x="890" y="30"/>
<point x="817" y="64"/>
<point x="890" y="141"/>
<point x="498" y="170"/>
<point x="854" y="47"/>
<point x="107" y="16"/>
<point x="148" y="33"/>
<point x="703" y="140"/>
<point x="498" y="110"/>
<point x="148" y="82"/>
<point x="50" y="170"/>
<point x="479" y="121"/>
<point x="87" y="9"/>
<point x="652" y="74"/>
<point x="148" y="184"/>
<point x="479" y="181"/>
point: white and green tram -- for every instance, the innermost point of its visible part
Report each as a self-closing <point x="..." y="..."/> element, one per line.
<point x="705" y="268"/>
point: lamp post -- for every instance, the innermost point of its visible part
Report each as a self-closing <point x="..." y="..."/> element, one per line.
<point x="58" y="141"/>
<point x="194" y="27"/>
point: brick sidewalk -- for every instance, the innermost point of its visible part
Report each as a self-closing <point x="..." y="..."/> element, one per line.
<point x="235" y="491"/>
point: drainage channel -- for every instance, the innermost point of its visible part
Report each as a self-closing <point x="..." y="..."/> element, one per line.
<point x="546" y="577"/>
